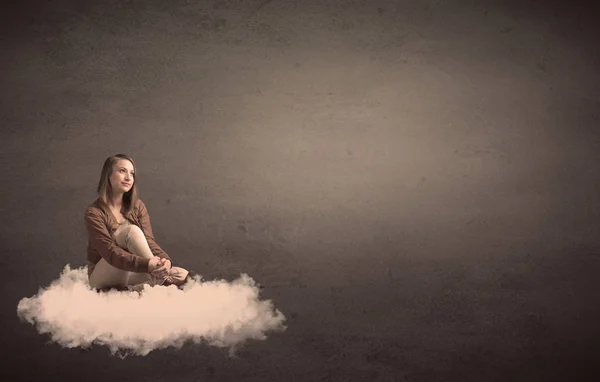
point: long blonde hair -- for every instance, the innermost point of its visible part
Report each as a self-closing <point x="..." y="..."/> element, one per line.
<point x="104" y="187"/>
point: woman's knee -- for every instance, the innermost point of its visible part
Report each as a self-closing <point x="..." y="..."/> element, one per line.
<point x="134" y="232"/>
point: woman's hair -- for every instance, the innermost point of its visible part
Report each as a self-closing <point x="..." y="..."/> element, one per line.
<point x="104" y="186"/>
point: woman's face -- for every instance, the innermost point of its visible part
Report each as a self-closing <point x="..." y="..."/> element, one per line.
<point x="122" y="177"/>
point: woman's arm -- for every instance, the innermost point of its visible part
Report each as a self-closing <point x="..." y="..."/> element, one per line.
<point x="108" y="249"/>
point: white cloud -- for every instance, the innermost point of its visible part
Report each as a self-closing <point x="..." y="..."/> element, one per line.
<point x="220" y="313"/>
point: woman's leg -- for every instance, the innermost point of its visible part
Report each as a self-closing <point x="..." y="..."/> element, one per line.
<point x="131" y="238"/>
<point x="107" y="276"/>
<point x="137" y="243"/>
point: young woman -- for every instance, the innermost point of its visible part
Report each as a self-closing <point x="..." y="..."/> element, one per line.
<point x="122" y="252"/>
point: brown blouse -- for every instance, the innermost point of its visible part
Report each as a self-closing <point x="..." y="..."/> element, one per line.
<point x="101" y="223"/>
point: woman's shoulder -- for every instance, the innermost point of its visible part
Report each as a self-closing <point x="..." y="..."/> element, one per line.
<point x="95" y="208"/>
<point x="94" y="205"/>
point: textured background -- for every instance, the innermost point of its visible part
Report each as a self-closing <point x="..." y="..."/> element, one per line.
<point x="414" y="183"/>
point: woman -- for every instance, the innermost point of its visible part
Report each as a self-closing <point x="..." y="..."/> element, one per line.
<point x="122" y="252"/>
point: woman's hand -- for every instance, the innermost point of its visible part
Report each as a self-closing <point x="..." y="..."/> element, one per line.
<point x="162" y="269"/>
<point x="154" y="264"/>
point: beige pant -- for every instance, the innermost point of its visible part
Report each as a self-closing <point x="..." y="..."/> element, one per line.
<point x="131" y="238"/>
